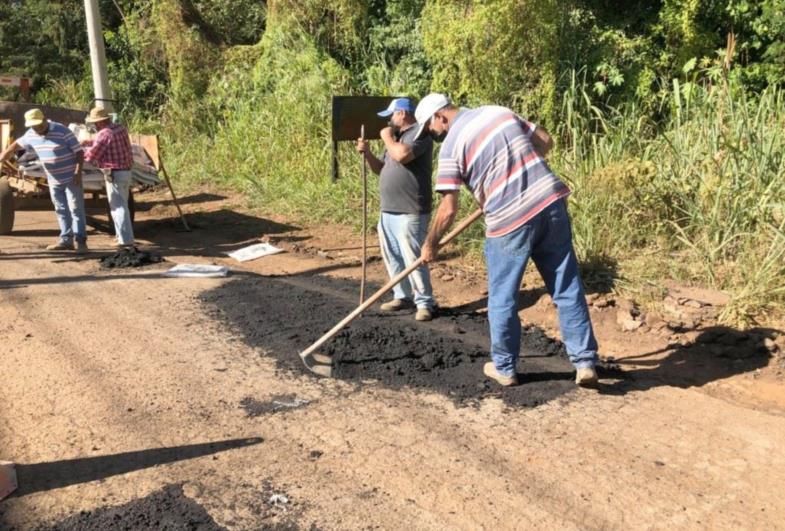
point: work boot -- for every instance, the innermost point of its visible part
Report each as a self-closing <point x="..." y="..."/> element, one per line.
<point x="586" y="377"/>
<point x="423" y="314"/>
<point x="395" y="304"/>
<point x="490" y="371"/>
<point x="81" y="248"/>
<point x="60" y="246"/>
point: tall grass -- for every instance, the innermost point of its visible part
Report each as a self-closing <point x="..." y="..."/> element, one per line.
<point x="270" y="135"/>
<point x="698" y="196"/>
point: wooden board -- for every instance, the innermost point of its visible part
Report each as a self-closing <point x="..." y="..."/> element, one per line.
<point x="15" y="111"/>
<point x="150" y="144"/>
<point x="5" y="133"/>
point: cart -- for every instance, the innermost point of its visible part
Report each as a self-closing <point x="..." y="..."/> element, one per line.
<point x="19" y="190"/>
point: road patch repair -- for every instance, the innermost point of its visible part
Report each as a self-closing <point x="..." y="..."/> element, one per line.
<point x="168" y="508"/>
<point x="130" y="257"/>
<point x="283" y="315"/>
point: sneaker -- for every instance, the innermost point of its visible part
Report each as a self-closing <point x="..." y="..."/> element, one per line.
<point x="60" y="246"/>
<point x="81" y="248"/>
<point x="423" y="314"/>
<point x="490" y="371"/>
<point x="395" y="304"/>
<point x="586" y="377"/>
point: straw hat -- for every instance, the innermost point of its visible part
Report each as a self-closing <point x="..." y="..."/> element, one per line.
<point x="97" y="115"/>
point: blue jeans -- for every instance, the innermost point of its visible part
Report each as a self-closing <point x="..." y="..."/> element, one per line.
<point x="68" y="200"/>
<point x="547" y="239"/>
<point x="117" y="192"/>
<point x="401" y="237"/>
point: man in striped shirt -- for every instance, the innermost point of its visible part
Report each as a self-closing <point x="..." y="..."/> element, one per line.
<point x="499" y="156"/>
<point x="62" y="158"/>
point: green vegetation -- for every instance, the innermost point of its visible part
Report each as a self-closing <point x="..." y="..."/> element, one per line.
<point x="668" y="114"/>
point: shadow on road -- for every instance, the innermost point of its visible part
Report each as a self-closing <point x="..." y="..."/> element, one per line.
<point x="717" y="352"/>
<point x="214" y="233"/>
<point x="39" y="477"/>
<point x="193" y="199"/>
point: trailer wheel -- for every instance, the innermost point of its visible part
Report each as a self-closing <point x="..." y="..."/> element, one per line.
<point x="6" y="207"/>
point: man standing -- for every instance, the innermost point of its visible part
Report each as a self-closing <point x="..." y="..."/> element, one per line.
<point x="62" y="158"/>
<point x="499" y="157"/>
<point x="111" y="151"/>
<point x="405" y="191"/>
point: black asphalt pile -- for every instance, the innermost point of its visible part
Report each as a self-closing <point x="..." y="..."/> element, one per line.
<point x="130" y="257"/>
<point x="284" y="315"/>
<point x="167" y="509"/>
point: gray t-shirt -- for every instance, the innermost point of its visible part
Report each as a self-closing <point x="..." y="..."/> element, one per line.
<point x="406" y="188"/>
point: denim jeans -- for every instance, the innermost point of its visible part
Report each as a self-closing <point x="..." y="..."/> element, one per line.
<point x="117" y="192"/>
<point x="68" y="200"/>
<point x="547" y="239"/>
<point x="401" y="237"/>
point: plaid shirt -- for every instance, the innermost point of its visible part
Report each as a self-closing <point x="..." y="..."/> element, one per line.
<point x="111" y="149"/>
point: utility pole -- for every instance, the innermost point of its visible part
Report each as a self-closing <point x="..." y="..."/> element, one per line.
<point x="103" y="94"/>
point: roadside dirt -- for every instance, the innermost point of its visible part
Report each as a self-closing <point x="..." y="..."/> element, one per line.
<point x="131" y="400"/>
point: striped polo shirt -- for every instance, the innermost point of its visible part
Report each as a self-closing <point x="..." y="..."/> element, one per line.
<point x="56" y="150"/>
<point x="489" y="150"/>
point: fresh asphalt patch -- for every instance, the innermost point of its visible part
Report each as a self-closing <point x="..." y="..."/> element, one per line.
<point x="168" y="508"/>
<point x="284" y="315"/>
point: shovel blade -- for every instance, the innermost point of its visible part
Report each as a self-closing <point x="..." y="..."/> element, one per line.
<point x="318" y="364"/>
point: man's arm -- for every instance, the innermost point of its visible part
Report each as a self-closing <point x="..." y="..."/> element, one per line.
<point x="541" y="141"/>
<point x="374" y="163"/>
<point x="10" y="150"/>
<point x="398" y="150"/>
<point x="445" y="216"/>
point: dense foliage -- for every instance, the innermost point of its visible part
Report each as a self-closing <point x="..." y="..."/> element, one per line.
<point x="669" y="113"/>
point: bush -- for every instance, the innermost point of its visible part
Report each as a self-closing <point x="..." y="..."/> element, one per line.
<point x="501" y="51"/>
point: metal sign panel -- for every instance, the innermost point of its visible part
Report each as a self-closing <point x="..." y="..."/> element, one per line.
<point x="350" y="113"/>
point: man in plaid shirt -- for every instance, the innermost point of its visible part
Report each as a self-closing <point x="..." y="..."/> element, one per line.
<point x="111" y="152"/>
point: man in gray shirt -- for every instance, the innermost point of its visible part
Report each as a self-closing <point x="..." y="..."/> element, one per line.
<point x="405" y="190"/>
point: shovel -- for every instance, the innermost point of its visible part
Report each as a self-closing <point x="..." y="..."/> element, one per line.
<point x="321" y="364"/>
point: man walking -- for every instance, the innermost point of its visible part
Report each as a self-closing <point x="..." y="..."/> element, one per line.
<point x="405" y="191"/>
<point x="500" y="157"/>
<point x="61" y="157"/>
<point x="111" y="151"/>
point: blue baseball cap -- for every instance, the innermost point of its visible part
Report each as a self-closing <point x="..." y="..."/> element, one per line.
<point x="398" y="104"/>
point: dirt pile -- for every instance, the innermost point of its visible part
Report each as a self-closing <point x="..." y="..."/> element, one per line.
<point x="130" y="257"/>
<point x="168" y="509"/>
<point x="284" y="315"/>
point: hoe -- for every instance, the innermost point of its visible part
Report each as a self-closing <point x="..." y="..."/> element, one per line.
<point x="321" y="364"/>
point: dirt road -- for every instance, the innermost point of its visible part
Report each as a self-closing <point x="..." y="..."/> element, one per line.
<point x="132" y="400"/>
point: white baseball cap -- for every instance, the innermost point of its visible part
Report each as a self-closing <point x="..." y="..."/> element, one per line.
<point x="427" y="107"/>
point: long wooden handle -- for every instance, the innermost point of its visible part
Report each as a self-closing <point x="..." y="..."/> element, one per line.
<point x="365" y="220"/>
<point x="387" y="287"/>
<point x="171" y="189"/>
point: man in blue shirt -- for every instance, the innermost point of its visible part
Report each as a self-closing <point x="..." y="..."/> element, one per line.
<point x="62" y="158"/>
